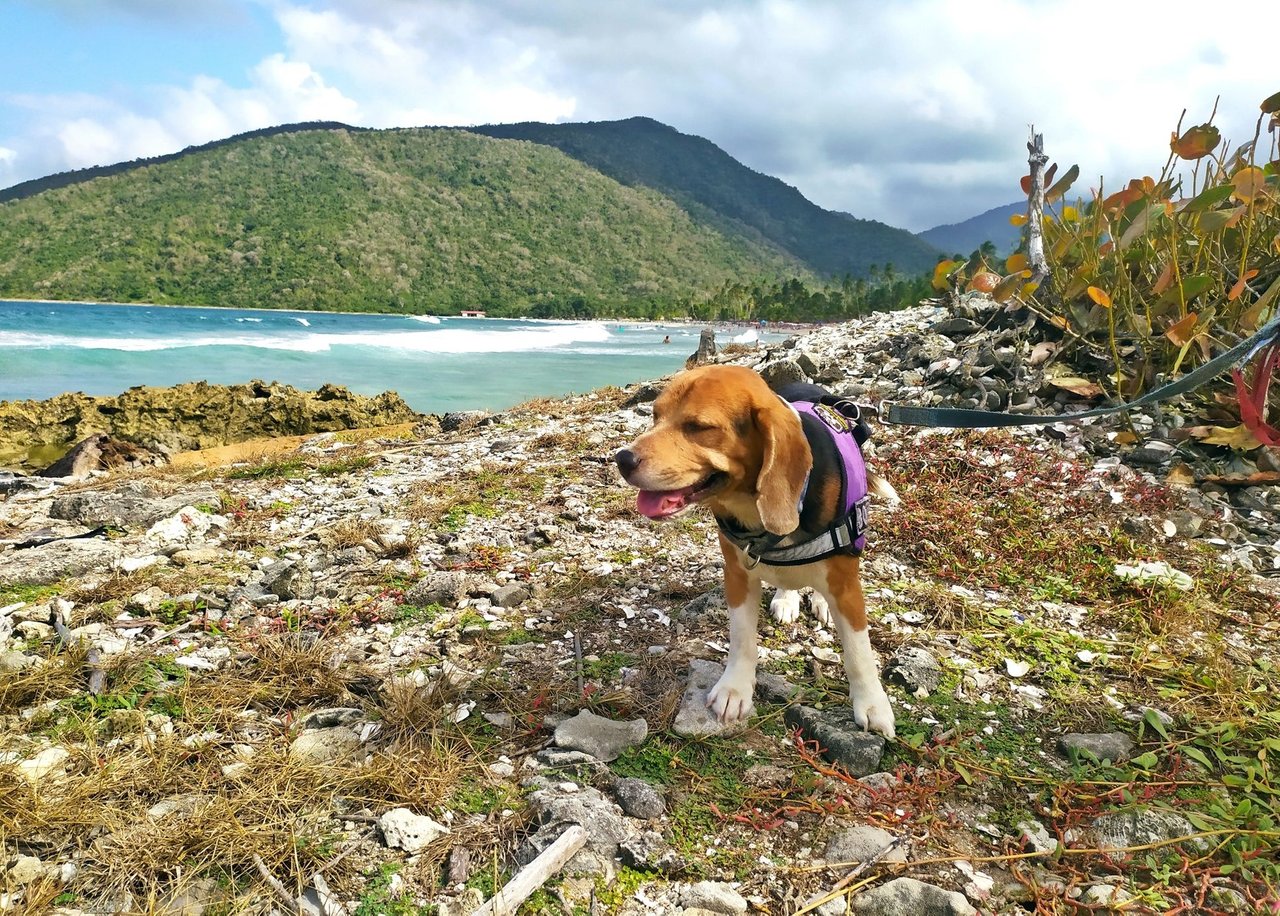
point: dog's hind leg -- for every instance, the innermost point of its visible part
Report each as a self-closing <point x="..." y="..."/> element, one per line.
<point x="821" y="610"/>
<point x="785" y="606"/>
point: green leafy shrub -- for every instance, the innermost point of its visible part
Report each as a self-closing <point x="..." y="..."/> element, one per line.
<point x="1158" y="274"/>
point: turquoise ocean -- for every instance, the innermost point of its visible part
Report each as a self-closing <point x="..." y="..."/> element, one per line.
<point x="436" y="364"/>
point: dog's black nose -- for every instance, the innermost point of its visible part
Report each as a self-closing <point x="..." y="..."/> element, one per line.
<point x="627" y="461"/>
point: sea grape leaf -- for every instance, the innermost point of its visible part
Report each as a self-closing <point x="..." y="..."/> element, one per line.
<point x="1165" y="278"/>
<point x="1239" y="286"/>
<point x="1016" y="262"/>
<point x="1236" y="437"/>
<point x="1081" y="387"/>
<point x="1208" y="197"/>
<point x="1189" y="288"/>
<point x="1006" y="287"/>
<point x="1271" y="104"/>
<point x="1248" y="183"/>
<point x="1214" y="221"/>
<point x="1196" y="142"/>
<point x="1251" y="317"/>
<point x="1063" y="184"/>
<point x="1141" y="223"/>
<point x="984" y="281"/>
<point x="941" y="273"/>
<point x="1099" y="296"/>
<point x="1180" y="332"/>
<point x="1018" y="219"/>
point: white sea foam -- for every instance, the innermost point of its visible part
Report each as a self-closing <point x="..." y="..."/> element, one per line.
<point x="251" y="320"/>
<point x="428" y="319"/>
<point x="303" y="322"/>
<point x="748" y="336"/>
<point x="448" y="340"/>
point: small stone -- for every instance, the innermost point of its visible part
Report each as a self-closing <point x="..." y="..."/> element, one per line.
<point x="693" y="718"/>
<point x="916" y="669"/>
<point x="442" y="588"/>
<point x="12" y="662"/>
<point x="956" y="327"/>
<point x="639" y="798"/>
<point x="1186" y="524"/>
<point x="649" y="850"/>
<point x="858" y="844"/>
<point x="1112" y="746"/>
<point x="909" y="897"/>
<point x="402" y="829"/>
<point x="1121" y="830"/>
<point x="49" y="763"/>
<point x="320" y="745"/>
<point x="783" y="372"/>
<point x="1035" y="837"/>
<point x="22" y="870"/>
<point x="766" y="776"/>
<point x="604" y="739"/>
<point x="774" y="688"/>
<point x="715" y="896"/>
<point x="842" y="740"/>
<point x="509" y="596"/>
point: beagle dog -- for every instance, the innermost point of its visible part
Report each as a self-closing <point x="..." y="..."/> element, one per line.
<point x="782" y="479"/>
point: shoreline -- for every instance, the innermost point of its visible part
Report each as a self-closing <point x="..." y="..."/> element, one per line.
<point x="807" y="326"/>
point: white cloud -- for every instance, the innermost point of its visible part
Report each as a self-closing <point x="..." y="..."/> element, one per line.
<point x="915" y="112"/>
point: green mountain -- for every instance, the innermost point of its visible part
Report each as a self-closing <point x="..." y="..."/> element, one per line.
<point x="715" y="187"/>
<point x="629" y="218"/>
<point x="964" y="238"/>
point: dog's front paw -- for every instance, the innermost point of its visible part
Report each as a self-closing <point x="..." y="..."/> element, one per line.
<point x="785" y="606"/>
<point x="871" y="710"/>
<point x="821" y="610"/>
<point x="730" y="700"/>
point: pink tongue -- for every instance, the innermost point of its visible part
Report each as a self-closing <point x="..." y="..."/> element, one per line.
<point x="661" y="503"/>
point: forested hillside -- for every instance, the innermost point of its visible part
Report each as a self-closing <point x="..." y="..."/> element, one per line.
<point x="714" y="186"/>
<point x="399" y="220"/>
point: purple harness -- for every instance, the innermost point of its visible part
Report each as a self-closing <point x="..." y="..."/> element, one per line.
<point x="841" y="420"/>
<point x="844" y="432"/>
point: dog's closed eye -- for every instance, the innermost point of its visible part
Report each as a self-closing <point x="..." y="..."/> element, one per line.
<point x="692" y="427"/>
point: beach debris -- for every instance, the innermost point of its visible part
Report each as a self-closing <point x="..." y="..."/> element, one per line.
<point x="1156" y="573"/>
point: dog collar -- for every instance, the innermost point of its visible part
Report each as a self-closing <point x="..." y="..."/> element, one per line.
<point x="842" y="421"/>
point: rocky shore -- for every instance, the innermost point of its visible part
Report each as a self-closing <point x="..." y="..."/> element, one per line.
<point x="377" y="675"/>
<point x="195" y="415"/>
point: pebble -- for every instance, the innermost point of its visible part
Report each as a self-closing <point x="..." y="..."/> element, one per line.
<point x="402" y="829"/>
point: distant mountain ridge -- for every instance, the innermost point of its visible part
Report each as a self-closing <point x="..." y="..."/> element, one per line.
<point x="701" y="176"/>
<point x="521" y="219"/>
<point x="966" y="237"/>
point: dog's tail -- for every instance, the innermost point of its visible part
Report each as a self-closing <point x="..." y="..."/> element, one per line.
<point x="881" y="489"/>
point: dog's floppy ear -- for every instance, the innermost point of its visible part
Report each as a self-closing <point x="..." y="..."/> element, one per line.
<point x="784" y="468"/>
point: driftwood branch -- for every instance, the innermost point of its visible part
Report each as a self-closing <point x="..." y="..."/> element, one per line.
<point x="1035" y="209"/>
<point x="535" y="874"/>
<point x="283" y="896"/>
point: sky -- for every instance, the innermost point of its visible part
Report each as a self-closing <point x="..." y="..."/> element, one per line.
<point x="912" y="112"/>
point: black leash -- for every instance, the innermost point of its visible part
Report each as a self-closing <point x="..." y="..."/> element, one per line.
<point x="961" y="418"/>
